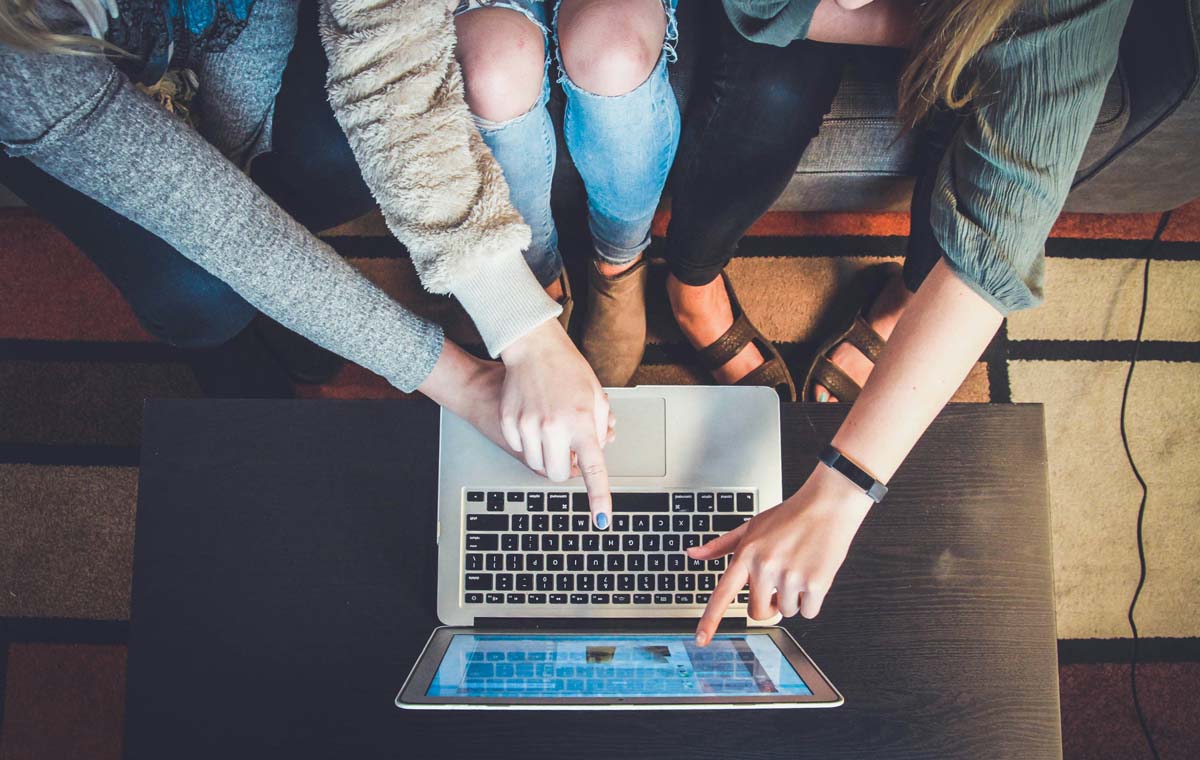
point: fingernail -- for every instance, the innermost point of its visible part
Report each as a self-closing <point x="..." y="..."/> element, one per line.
<point x="701" y="637"/>
<point x="823" y="396"/>
<point x="601" y="520"/>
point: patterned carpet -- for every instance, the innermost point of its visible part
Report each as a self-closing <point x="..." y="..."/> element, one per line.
<point x="75" y="366"/>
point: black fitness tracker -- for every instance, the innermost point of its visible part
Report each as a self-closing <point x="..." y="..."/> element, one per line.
<point x="836" y="460"/>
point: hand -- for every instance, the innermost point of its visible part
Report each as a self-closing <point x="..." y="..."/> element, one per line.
<point x="553" y="411"/>
<point x="789" y="554"/>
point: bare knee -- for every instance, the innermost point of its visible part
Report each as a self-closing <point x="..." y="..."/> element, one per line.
<point x="609" y="47"/>
<point x="503" y="57"/>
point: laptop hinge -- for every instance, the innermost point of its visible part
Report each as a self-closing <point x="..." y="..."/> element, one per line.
<point x="576" y="624"/>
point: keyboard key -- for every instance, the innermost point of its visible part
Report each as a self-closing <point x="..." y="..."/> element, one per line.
<point x="630" y="542"/>
<point x="625" y="582"/>
<point x="549" y="543"/>
<point x="645" y="582"/>
<point x="520" y="523"/>
<point x="724" y="502"/>
<point x="743" y="598"/>
<point x="591" y="542"/>
<point x="641" y="523"/>
<point x="557" y="502"/>
<point x="579" y="598"/>
<point x="662" y="598"/>
<point x="474" y="562"/>
<point x="558" y="598"/>
<point x="620" y="598"/>
<point x="687" y="583"/>
<point x="487" y="522"/>
<point x="660" y="523"/>
<point x="641" y="598"/>
<point x="474" y="495"/>
<point x="599" y="598"/>
<point x="515" y="598"/>
<point x="540" y="523"/>
<point x="477" y="582"/>
<point x="494" y="561"/>
<point x="656" y="563"/>
<point x="574" y="562"/>
<point x="651" y="543"/>
<point x="606" y="582"/>
<point x="554" y="562"/>
<point x="675" y="562"/>
<point x="717" y="564"/>
<point x="745" y="502"/>
<point x="495" y="598"/>
<point x="564" y="583"/>
<point x="725" y="523"/>
<point x="616" y="563"/>
<point x="514" y="562"/>
<point x="695" y="564"/>
<point x="611" y="542"/>
<point x="483" y="542"/>
<point x="545" y="582"/>
<point x="683" y="598"/>
<point x="683" y="502"/>
<point x="636" y="562"/>
<point x="620" y="523"/>
<point x="579" y="502"/>
<point x="515" y="496"/>
<point x="475" y="597"/>
<point x="504" y="582"/>
<point x="560" y="523"/>
<point x="595" y="562"/>
<point x="705" y="502"/>
<point x="537" y="598"/>
<point x="671" y="543"/>
<point x="570" y="543"/>
<point x="529" y="543"/>
<point x="703" y="598"/>
<point x="580" y="523"/>
<point x="681" y="523"/>
<point x="707" y="582"/>
<point x="535" y="562"/>
<point x="535" y="502"/>
<point x="624" y="501"/>
<point x="702" y="523"/>
<point x="495" y="501"/>
<point x="510" y="542"/>
<point x="691" y="540"/>
<point x="586" y="582"/>
<point x="525" y="582"/>
<point x="666" y="582"/>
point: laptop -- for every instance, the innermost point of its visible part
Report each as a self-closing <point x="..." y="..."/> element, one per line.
<point x="541" y="610"/>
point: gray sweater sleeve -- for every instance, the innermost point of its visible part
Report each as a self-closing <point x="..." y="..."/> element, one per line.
<point x="81" y="121"/>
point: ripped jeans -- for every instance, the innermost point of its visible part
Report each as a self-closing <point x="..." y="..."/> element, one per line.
<point x="623" y="147"/>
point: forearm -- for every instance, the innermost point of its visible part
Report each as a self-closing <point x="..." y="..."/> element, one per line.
<point x="936" y="342"/>
<point x="886" y="23"/>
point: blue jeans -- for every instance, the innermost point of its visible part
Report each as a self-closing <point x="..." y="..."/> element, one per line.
<point x="622" y="145"/>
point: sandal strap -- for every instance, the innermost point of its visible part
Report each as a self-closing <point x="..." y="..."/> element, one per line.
<point x="771" y="374"/>
<point x="863" y="337"/>
<point x="838" y="382"/>
<point x="724" y="348"/>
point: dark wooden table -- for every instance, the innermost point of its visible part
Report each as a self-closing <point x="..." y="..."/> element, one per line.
<point x="284" y="584"/>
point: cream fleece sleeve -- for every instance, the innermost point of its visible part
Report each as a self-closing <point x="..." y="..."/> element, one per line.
<point x="396" y="89"/>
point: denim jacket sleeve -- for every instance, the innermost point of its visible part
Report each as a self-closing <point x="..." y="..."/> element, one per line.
<point x="1008" y="169"/>
<point x="81" y="121"/>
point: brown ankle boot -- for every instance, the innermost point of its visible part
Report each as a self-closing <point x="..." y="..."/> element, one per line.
<point x="614" y="328"/>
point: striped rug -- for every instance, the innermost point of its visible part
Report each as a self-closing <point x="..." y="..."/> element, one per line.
<point x="75" y="366"/>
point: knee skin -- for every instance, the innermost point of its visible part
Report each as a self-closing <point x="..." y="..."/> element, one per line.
<point x="609" y="47"/>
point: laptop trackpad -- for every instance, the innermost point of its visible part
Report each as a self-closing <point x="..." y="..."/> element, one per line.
<point x="640" y="450"/>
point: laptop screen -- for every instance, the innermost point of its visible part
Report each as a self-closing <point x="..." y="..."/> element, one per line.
<point x="635" y="665"/>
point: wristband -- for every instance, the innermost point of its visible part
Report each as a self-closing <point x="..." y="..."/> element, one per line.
<point x="863" y="480"/>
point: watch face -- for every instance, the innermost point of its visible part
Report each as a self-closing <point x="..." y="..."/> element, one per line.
<point x="855" y="473"/>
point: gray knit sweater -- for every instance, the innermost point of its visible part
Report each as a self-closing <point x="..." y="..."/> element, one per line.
<point x="397" y="91"/>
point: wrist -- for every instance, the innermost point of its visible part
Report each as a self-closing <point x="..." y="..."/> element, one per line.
<point x="834" y="488"/>
<point x="454" y="378"/>
<point x="532" y="344"/>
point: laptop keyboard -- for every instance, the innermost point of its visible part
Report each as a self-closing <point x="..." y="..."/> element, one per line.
<point x="540" y="548"/>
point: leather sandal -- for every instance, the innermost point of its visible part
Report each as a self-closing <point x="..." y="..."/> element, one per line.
<point x="772" y="373"/>
<point x="857" y="331"/>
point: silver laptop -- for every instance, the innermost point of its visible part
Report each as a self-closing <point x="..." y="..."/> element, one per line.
<point x="542" y="610"/>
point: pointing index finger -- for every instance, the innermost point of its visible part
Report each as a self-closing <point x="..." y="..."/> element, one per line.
<point x="595" y="478"/>
<point x="724" y="594"/>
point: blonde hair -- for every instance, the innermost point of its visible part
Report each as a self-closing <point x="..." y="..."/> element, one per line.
<point x="22" y="28"/>
<point x="948" y="36"/>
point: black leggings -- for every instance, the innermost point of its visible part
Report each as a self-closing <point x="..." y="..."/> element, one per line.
<point x="755" y="109"/>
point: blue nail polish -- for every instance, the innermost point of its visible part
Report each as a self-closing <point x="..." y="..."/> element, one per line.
<point x="601" y="520"/>
<point x="823" y="397"/>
